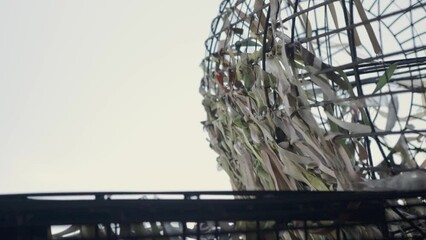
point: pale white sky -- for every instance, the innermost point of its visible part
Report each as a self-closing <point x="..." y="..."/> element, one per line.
<point x="101" y="95"/>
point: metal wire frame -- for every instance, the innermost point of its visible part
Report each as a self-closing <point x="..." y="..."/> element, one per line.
<point x="214" y="215"/>
<point x="399" y="29"/>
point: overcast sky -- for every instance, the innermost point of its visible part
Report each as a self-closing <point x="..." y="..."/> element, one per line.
<point x="101" y="95"/>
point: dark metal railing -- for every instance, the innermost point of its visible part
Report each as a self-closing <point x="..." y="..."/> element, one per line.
<point x="212" y="215"/>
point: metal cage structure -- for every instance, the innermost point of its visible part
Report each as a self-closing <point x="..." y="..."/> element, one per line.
<point x="307" y="95"/>
<point x="377" y="46"/>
